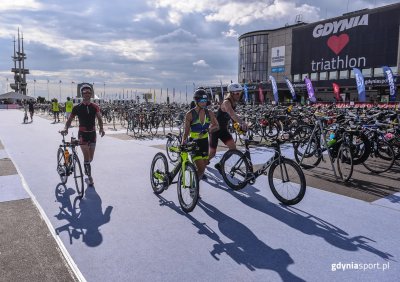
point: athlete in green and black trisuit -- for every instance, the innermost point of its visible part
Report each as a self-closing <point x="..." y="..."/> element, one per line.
<point x="198" y="122"/>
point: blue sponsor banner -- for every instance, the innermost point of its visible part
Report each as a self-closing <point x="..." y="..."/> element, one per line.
<point x="278" y="69"/>
<point x="246" y="93"/>
<point x="274" y="88"/>
<point x="360" y="84"/>
<point x="291" y="88"/>
<point x="392" y="87"/>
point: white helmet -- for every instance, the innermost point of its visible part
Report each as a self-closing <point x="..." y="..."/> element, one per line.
<point x="235" y="87"/>
<point x="83" y="86"/>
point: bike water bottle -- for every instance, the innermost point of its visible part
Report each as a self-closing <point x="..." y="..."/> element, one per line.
<point x="66" y="156"/>
<point x="332" y="139"/>
<point x="236" y="126"/>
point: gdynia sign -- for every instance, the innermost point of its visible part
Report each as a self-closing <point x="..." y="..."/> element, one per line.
<point x="368" y="39"/>
<point x="339" y="26"/>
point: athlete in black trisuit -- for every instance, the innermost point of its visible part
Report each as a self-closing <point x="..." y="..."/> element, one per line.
<point x="87" y="112"/>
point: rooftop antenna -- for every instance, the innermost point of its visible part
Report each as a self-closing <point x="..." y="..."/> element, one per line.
<point x="298" y="18"/>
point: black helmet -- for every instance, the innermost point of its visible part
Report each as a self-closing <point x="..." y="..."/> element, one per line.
<point x="200" y="93"/>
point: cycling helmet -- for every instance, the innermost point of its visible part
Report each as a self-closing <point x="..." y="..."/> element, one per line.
<point x="200" y="94"/>
<point x="83" y="86"/>
<point x="235" y="87"/>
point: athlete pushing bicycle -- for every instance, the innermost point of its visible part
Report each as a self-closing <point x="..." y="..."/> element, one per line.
<point x="87" y="112"/>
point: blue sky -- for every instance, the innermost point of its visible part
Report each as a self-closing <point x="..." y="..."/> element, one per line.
<point x="138" y="46"/>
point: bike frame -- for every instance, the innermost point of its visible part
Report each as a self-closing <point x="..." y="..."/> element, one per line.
<point x="181" y="165"/>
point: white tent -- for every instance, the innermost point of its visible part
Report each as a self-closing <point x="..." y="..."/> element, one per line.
<point x="15" y="96"/>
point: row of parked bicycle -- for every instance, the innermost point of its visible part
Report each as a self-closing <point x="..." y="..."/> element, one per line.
<point x="345" y="137"/>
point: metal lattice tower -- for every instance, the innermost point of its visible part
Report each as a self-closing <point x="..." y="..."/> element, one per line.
<point x="19" y="69"/>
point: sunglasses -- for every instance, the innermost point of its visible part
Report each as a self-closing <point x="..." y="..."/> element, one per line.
<point x="86" y="92"/>
<point x="202" y="100"/>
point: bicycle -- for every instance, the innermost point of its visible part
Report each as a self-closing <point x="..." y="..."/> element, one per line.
<point x="68" y="163"/>
<point x="285" y="177"/>
<point x="188" y="182"/>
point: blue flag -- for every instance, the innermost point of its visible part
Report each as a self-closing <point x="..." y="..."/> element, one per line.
<point x="274" y="88"/>
<point x="291" y="88"/>
<point x="392" y="87"/>
<point x="246" y="93"/>
<point x="360" y="84"/>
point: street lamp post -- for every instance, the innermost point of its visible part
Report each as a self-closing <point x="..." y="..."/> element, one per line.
<point x="34" y="88"/>
<point x="48" y="92"/>
<point x="60" y="89"/>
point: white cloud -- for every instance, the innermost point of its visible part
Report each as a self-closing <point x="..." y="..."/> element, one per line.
<point x="236" y="12"/>
<point x="200" y="63"/>
<point x="230" y="33"/>
<point x="20" y="5"/>
<point x="140" y="50"/>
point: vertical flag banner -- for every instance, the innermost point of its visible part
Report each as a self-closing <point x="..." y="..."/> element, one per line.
<point x="392" y="87"/>
<point x="161" y="96"/>
<point x="360" y="84"/>
<point x="274" y="88"/>
<point x="154" y="92"/>
<point x="336" y="91"/>
<point x="310" y="90"/>
<point x="246" y="93"/>
<point x="291" y="88"/>
<point x="260" y="94"/>
<point x="211" y="94"/>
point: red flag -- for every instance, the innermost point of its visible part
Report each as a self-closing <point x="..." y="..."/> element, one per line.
<point x="260" y="94"/>
<point x="336" y="91"/>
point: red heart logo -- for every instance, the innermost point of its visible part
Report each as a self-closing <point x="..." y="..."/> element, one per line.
<point x="337" y="43"/>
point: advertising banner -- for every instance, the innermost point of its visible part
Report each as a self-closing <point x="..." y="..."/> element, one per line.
<point x="392" y="87"/>
<point x="310" y="90"/>
<point x="360" y="84"/>
<point x="336" y="91"/>
<point x="274" y="88"/>
<point x="291" y="88"/>
<point x="351" y="41"/>
<point x="260" y="94"/>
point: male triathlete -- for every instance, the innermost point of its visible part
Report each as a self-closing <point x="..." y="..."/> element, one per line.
<point x="68" y="107"/>
<point x="87" y="112"/>
<point x="198" y="122"/>
<point x="225" y="113"/>
<point x="56" y="110"/>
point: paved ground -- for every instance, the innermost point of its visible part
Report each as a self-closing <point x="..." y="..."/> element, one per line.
<point x="121" y="231"/>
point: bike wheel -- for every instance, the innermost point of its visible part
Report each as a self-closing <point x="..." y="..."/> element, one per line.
<point x="287" y="181"/>
<point x="381" y="158"/>
<point x="172" y="141"/>
<point x="78" y="176"/>
<point x="61" y="166"/>
<point x="271" y="131"/>
<point x="235" y="169"/>
<point x="344" y="163"/>
<point x="158" y="173"/>
<point x="312" y="154"/>
<point x="188" y="188"/>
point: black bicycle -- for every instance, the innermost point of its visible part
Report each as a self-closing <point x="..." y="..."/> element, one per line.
<point x="68" y="163"/>
<point x="285" y="177"/>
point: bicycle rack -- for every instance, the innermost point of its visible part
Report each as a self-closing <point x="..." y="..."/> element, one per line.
<point x="318" y="125"/>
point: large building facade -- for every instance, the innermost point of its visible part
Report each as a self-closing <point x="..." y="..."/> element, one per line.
<point x="326" y="52"/>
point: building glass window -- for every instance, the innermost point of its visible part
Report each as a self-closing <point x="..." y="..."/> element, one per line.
<point x="332" y="75"/>
<point x="378" y="72"/>
<point x="323" y="75"/>
<point x="344" y="74"/>
<point x="296" y="77"/>
<point x="395" y="70"/>
<point x="304" y="75"/>
<point x="365" y="72"/>
<point x="254" y="66"/>
<point x="254" y="48"/>
<point x="314" y="76"/>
